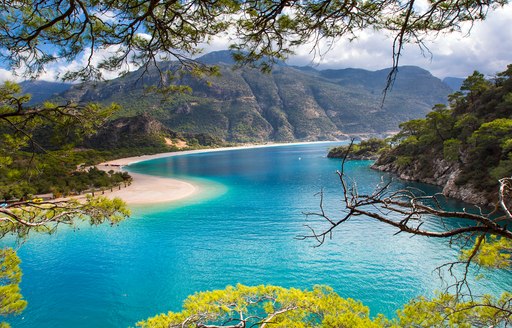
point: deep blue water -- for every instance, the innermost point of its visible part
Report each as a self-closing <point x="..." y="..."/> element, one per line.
<point x="241" y="229"/>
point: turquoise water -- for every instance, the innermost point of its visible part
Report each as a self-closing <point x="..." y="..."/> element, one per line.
<point x="241" y="229"/>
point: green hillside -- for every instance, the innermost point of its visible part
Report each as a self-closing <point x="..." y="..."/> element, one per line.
<point x="246" y="105"/>
<point x="465" y="147"/>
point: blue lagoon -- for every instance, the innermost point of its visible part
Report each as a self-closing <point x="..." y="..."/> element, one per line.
<point x="241" y="229"/>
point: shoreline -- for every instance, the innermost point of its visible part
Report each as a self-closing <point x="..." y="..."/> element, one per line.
<point x="149" y="189"/>
<point x="121" y="162"/>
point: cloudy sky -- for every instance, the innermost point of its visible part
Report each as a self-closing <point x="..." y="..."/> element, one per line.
<point x="486" y="47"/>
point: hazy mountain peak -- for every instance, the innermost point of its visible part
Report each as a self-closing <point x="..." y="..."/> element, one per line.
<point x="226" y="57"/>
<point x="43" y="90"/>
<point x="217" y="57"/>
<point x="453" y="82"/>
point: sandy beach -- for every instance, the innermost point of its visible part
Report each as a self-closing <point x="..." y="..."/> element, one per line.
<point x="148" y="189"/>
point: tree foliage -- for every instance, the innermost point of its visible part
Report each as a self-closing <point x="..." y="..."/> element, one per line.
<point x="22" y="217"/>
<point x="266" y="306"/>
<point x="25" y="157"/>
<point x="366" y="149"/>
<point x="11" y="300"/>
<point x="446" y="310"/>
<point x="473" y="133"/>
<point x="35" y="33"/>
<point x="272" y="306"/>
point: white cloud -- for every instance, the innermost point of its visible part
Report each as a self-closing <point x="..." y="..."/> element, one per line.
<point x="486" y="48"/>
<point x="56" y="70"/>
<point x="6" y="75"/>
<point x="144" y="36"/>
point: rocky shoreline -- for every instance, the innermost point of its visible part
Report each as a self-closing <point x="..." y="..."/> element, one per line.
<point x="445" y="175"/>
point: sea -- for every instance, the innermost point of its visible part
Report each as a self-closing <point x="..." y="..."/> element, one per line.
<point x="244" y="226"/>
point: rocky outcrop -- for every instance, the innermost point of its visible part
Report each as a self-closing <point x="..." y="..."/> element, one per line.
<point x="137" y="131"/>
<point x="144" y="131"/>
<point x="440" y="173"/>
<point x="468" y="193"/>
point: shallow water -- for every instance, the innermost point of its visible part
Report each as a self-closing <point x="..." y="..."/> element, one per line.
<point x="240" y="229"/>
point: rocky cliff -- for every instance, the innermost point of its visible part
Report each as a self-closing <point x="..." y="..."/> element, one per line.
<point x="466" y="148"/>
<point x="440" y="173"/>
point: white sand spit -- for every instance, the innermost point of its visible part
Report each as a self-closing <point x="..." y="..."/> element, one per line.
<point x="148" y="189"/>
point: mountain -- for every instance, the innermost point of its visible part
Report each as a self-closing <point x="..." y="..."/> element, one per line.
<point x="217" y="57"/>
<point x="453" y="82"/>
<point x="290" y="103"/>
<point x="144" y="131"/>
<point x="43" y="90"/>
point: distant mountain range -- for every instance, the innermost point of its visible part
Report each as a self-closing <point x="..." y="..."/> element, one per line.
<point x="291" y="103"/>
<point x="43" y="90"/>
<point x="453" y="82"/>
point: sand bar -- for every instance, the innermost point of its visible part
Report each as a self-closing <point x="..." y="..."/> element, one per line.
<point x="148" y="189"/>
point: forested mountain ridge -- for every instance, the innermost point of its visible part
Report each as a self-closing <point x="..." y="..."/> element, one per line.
<point x="466" y="147"/>
<point x="288" y="104"/>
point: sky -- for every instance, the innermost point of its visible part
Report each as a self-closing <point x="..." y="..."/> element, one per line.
<point x="486" y="47"/>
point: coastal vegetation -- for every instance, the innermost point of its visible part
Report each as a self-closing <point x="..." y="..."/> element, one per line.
<point x="56" y="175"/>
<point x="272" y="306"/>
<point x="369" y="149"/>
<point x="464" y="147"/>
